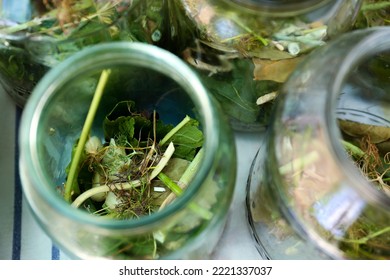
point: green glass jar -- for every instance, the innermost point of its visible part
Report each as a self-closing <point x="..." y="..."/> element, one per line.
<point x="319" y="187"/>
<point x="157" y="81"/>
<point x="37" y="35"/>
<point x="245" y="49"/>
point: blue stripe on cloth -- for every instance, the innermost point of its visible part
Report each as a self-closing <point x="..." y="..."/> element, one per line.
<point x="18" y="201"/>
<point x="55" y="253"/>
<point x="18" y="196"/>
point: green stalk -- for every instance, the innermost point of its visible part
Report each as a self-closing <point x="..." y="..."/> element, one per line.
<point x="352" y="149"/>
<point x="250" y="31"/>
<point x="174" y="130"/>
<point x="73" y="172"/>
<point x="375" y="6"/>
<point x="299" y="164"/>
<point x="203" y="213"/>
<point x="367" y="238"/>
<point x="170" y="184"/>
<point x="186" y="177"/>
<point x="191" y="170"/>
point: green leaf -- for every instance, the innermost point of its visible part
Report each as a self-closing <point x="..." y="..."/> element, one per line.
<point x="187" y="140"/>
<point x="119" y="127"/>
<point x="119" y="122"/>
<point x="143" y="247"/>
<point x="126" y="122"/>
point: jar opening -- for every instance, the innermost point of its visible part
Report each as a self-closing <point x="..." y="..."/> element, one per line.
<point x="145" y="59"/>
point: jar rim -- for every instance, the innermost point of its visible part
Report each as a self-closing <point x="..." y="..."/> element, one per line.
<point x="131" y="53"/>
<point x="376" y="41"/>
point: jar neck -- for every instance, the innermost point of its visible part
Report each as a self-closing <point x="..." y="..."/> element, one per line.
<point x="280" y="6"/>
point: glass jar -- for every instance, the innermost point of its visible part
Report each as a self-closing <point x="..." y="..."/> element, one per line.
<point x="37" y="35"/>
<point x="373" y="13"/>
<point x="245" y="49"/>
<point x="317" y="188"/>
<point x="157" y="81"/>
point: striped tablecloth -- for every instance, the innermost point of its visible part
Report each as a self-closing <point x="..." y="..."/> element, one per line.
<point x="22" y="239"/>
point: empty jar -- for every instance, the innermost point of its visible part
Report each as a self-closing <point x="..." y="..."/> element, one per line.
<point x="317" y="189"/>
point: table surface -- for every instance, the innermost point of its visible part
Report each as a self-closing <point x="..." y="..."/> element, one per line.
<point x="22" y="238"/>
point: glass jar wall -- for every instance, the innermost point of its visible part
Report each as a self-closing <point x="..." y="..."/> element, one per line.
<point x="244" y="50"/>
<point x="164" y="90"/>
<point x="318" y="189"/>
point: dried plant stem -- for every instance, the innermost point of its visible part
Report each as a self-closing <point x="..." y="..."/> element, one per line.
<point x="185" y="179"/>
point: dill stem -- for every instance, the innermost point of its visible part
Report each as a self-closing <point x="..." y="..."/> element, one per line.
<point x="250" y="31"/>
<point x="203" y="213"/>
<point x="298" y="164"/>
<point x="174" y="130"/>
<point x="364" y="240"/>
<point x="170" y="184"/>
<point x="85" y="134"/>
<point x="191" y="170"/>
<point x="186" y="177"/>
<point x="354" y="150"/>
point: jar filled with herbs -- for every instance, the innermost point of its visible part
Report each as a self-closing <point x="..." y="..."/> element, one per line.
<point x="245" y="49"/>
<point x="322" y="190"/>
<point x="124" y="155"/>
<point x="36" y="35"/>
